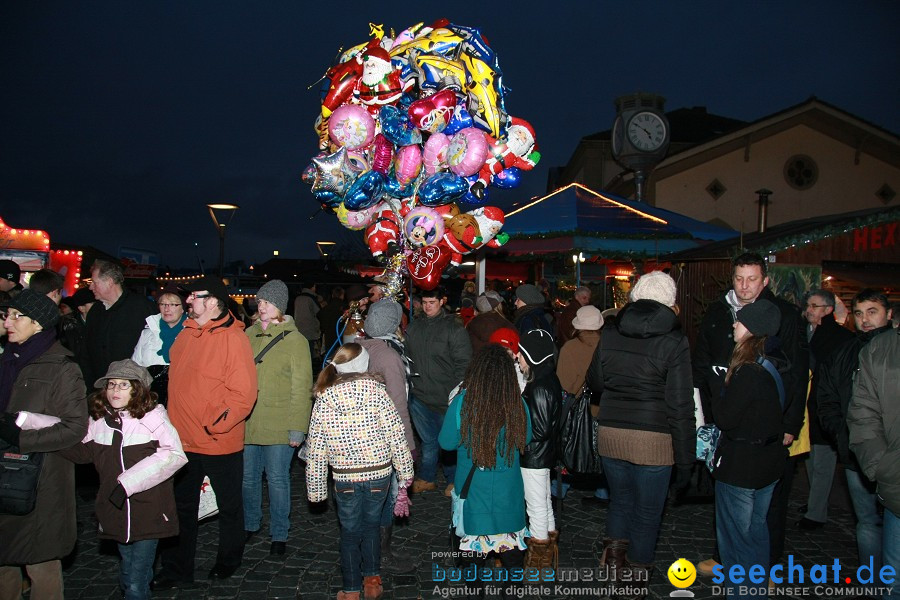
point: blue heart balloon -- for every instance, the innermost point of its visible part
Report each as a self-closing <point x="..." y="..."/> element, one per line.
<point x="397" y="127"/>
<point x="460" y="120"/>
<point x="508" y="179"/>
<point x="327" y="198"/>
<point x="442" y="188"/>
<point x="365" y="191"/>
<point x="395" y="189"/>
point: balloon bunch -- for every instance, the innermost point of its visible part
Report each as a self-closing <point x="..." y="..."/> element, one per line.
<point x="410" y="126"/>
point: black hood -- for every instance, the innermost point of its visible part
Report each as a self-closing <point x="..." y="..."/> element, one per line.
<point x="646" y="319"/>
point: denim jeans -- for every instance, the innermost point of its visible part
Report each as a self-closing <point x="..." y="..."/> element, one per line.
<point x="891" y="549"/>
<point x="359" y="505"/>
<point x="820" y="469"/>
<point x="637" y="496"/>
<point x="136" y="568"/>
<point x="387" y="513"/>
<point x="742" y="534"/>
<point x="428" y="424"/>
<point x="868" y="522"/>
<point x="275" y="460"/>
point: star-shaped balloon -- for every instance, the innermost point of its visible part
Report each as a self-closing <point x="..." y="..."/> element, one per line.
<point x="334" y="173"/>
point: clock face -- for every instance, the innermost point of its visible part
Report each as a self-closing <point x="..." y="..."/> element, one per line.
<point x="646" y="131"/>
<point x="618" y="136"/>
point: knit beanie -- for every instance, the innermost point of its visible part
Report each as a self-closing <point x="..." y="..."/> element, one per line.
<point x="274" y="292"/>
<point x="529" y="294"/>
<point x="488" y="301"/>
<point x="760" y="318"/>
<point x="588" y="318"/>
<point x="655" y="285"/>
<point x="38" y="307"/>
<point x="537" y="346"/>
<point x="383" y="318"/>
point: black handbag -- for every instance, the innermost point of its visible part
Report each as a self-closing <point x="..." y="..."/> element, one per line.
<point x="19" y="475"/>
<point x="578" y="434"/>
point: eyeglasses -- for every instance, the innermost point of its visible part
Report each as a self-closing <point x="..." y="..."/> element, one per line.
<point x="166" y="305"/>
<point x="808" y="305"/>
<point x="198" y="296"/>
<point x="14" y="316"/>
<point x="125" y="385"/>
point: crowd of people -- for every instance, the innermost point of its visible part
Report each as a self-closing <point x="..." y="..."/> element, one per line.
<point x="379" y="398"/>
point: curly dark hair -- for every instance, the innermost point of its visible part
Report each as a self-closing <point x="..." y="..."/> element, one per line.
<point x="492" y="419"/>
<point x="142" y="401"/>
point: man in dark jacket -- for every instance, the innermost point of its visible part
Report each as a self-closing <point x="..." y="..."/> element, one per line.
<point x="564" y="329"/>
<point x="825" y="336"/>
<point x="530" y="313"/>
<point x="712" y="353"/>
<point x="834" y="391"/>
<point x="874" y="421"/>
<point x="115" y="322"/>
<point x="440" y="351"/>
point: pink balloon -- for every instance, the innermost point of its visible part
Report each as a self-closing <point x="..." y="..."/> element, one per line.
<point x="432" y="114"/>
<point x="435" y="153"/>
<point x="467" y="151"/>
<point x="383" y="155"/>
<point x="351" y="126"/>
<point x="407" y="164"/>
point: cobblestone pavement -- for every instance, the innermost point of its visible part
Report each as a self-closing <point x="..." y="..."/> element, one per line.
<point x="310" y="570"/>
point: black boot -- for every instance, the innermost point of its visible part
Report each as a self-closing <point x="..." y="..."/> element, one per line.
<point x="389" y="562"/>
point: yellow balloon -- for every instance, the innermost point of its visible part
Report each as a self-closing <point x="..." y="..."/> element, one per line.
<point x="682" y="573"/>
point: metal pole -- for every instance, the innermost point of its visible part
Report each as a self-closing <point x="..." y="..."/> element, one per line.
<point x="221" y="251"/>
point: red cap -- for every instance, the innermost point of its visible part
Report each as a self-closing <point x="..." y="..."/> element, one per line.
<point x="506" y="337"/>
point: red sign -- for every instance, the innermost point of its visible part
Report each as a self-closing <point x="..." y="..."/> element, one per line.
<point x="875" y="238"/>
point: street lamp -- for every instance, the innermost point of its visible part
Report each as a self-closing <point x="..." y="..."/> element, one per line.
<point x="224" y="209"/>
<point x="578" y="259"/>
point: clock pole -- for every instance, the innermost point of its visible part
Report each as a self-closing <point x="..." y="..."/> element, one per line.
<point x="640" y="136"/>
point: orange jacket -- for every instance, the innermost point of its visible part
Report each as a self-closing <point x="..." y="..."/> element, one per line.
<point x="212" y="385"/>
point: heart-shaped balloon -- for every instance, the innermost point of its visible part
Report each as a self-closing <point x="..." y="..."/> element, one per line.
<point x="442" y="188"/>
<point x="365" y="191"/>
<point x="426" y="265"/>
<point x="397" y="127"/>
<point x="432" y="114"/>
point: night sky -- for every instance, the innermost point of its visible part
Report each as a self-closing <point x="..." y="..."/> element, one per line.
<point x="122" y="120"/>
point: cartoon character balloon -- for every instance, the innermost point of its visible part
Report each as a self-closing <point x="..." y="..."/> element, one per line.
<point x="423" y="227"/>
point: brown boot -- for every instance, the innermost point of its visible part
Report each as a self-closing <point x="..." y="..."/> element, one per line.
<point x="637" y="577"/>
<point x="613" y="557"/>
<point x="538" y="555"/>
<point x="554" y="550"/>
<point x="348" y="596"/>
<point x="372" y="588"/>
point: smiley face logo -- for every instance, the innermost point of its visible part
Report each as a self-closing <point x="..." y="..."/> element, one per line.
<point x="682" y="573"/>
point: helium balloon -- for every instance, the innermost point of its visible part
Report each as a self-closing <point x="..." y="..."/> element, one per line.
<point x="365" y="191"/>
<point x="351" y="126"/>
<point x="432" y="114"/>
<point x="442" y="188"/>
<point x="383" y="154"/>
<point x="460" y="120"/>
<point x="395" y="189"/>
<point x="508" y="179"/>
<point x="383" y="232"/>
<point x="334" y="173"/>
<point x="327" y="199"/>
<point x="355" y="219"/>
<point x="423" y="227"/>
<point x="426" y="265"/>
<point x="434" y="154"/>
<point x="467" y="152"/>
<point x="397" y="127"/>
<point x="407" y="164"/>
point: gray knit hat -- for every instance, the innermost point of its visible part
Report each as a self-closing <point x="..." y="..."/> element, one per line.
<point x="274" y="292"/>
<point x="655" y="285"/>
<point x="529" y="294"/>
<point x="760" y="318"/>
<point x="383" y="318"/>
<point x="38" y="307"/>
<point x="125" y="369"/>
<point x="488" y="301"/>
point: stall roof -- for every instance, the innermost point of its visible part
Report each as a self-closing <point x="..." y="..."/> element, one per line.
<point x="576" y="217"/>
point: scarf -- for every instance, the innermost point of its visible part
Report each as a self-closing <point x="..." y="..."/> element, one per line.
<point x="396" y="343"/>
<point x="167" y="335"/>
<point x="16" y="357"/>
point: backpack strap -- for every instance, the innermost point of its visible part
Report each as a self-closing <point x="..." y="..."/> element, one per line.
<point x="465" y="490"/>
<point x="768" y="366"/>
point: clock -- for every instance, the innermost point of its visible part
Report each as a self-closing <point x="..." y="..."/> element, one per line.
<point x="646" y="131"/>
<point x="618" y="136"/>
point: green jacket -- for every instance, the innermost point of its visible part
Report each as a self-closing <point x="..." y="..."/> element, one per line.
<point x="496" y="500"/>
<point x="285" y="385"/>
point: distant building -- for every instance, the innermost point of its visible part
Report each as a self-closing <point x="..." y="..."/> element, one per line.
<point x="814" y="158"/>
